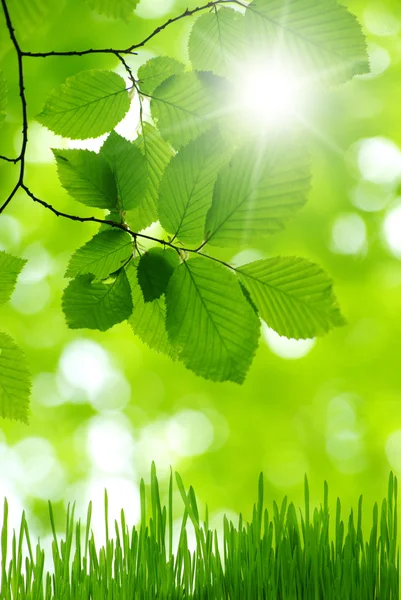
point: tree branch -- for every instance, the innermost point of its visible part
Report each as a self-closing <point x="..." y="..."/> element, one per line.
<point x="186" y="13"/>
<point x="130" y="49"/>
<point x="119" y="55"/>
<point x="122" y="227"/>
<point x="11" y="160"/>
<point x="21" y="157"/>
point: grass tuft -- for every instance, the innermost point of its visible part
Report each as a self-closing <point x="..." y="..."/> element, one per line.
<point x="282" y="555"/>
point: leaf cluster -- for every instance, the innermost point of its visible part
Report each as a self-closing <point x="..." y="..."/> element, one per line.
<point x="205" y="180"/>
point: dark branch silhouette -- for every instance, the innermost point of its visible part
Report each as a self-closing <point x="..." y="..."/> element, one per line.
<point x="131" y="49"/>
<point x="119" y="54"/>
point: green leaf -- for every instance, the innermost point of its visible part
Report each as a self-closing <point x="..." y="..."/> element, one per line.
<point x="210" y="321"/>
<point x="154" y="271"/>
<point x="157" y="154"/>
<point x="129" y="167"/>
<point x="86" y="105"/>
<point x="294" y="296"/>
<point x="15" y="381"/>
<point x="185" y="106"/>
<point x="3" y="98"/>
<point x="216" y="42"/>
<point x="117" y="9"/>
<point x="257" y="192"/>
<point x="10" y="268"/>
<point x="97" y="304"/>
<point x="87" y="177"/>
<point x="148" y="319"/>
<point x="320" y="38"/>
<point x="104" y="254"/>
<point x="186" y="189"/>
<point x="155" y="71"/>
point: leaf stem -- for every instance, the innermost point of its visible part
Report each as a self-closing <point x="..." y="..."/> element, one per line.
<point x="21" y="54"/>
<point x="121" y="226"/>
<point x="11" y="160"/>
<point x="130" y="49"/>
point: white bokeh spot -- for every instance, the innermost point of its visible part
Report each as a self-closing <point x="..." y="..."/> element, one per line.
<point x="110" y="444"/>
<point x="189" y="433"/>
<point x="287" y="348"/>
<point x="392" y="230"/>
<point x="348" y="234"/>
<point x="379" y="159"/>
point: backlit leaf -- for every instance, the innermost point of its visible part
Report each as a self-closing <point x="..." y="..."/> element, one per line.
<point x="10" y="268"/>
<point x="257" y="192"/>
<point x="117" y="9"/>
<point x="155" y="71"/>
<point x="129" y="167"/>
<point x="185" y="106"/>
<point x="15" y="381"/>
<point x="294" y="296"/>
<point x="157" y="154"/>
<point x="86" y="105"/>
<point x="104" y="254"/>
<point x="155" y="268"/>
<point x="210" y="321"/>
<point x="97" y="304"/>
<point x="87" y="177"/>
<point x="148" y="319"/>
<point x="216" y="42"/>
<point x="186" y="189"/>
<point x="319" y="38"/>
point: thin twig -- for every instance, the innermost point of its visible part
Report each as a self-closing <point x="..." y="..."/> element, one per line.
<point x="130" y="49"/>
<point x="21" y="158"/>
<point x="122" y="227"/>
<point x="128" y="70"/>
<point x="77" y="52"/>
<point x="11" y="160"/>
<point x="185" y="14"/>
<point x="118" y="53"/>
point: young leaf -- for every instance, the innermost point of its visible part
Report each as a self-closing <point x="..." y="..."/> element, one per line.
<point x="257" y="192"/>
<point x="318" y="38"/>
<point x="186" y="188"/>
<point x="87" y="177"/>
<point x="120" y="9"/>
<point x="210" y="321"/>
<point x="86" y="105"/>
<point x="148" y="319"/>
<point x="129" y="167"/>
<point x="104" y="254"/>
<point x="10" y="268"/>
<point x="154" y="271"/>
<point x="185" y="106"/>
<point x="294" y="296"/>
<point x="3" y="98"/>
<point x="15" y="381"/>
<point x="157" y="154"/>
<point x="216" y="42"/>
<point x="155" y="71"/>
<point x="97" y="304"/>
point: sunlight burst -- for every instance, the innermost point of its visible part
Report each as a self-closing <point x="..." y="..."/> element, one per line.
<point x="271" y="94"/>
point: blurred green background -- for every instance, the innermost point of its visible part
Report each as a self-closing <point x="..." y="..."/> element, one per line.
<point x="104" y="406"/>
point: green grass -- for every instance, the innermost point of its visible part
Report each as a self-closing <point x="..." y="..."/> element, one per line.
<point x="284" y="554"/>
